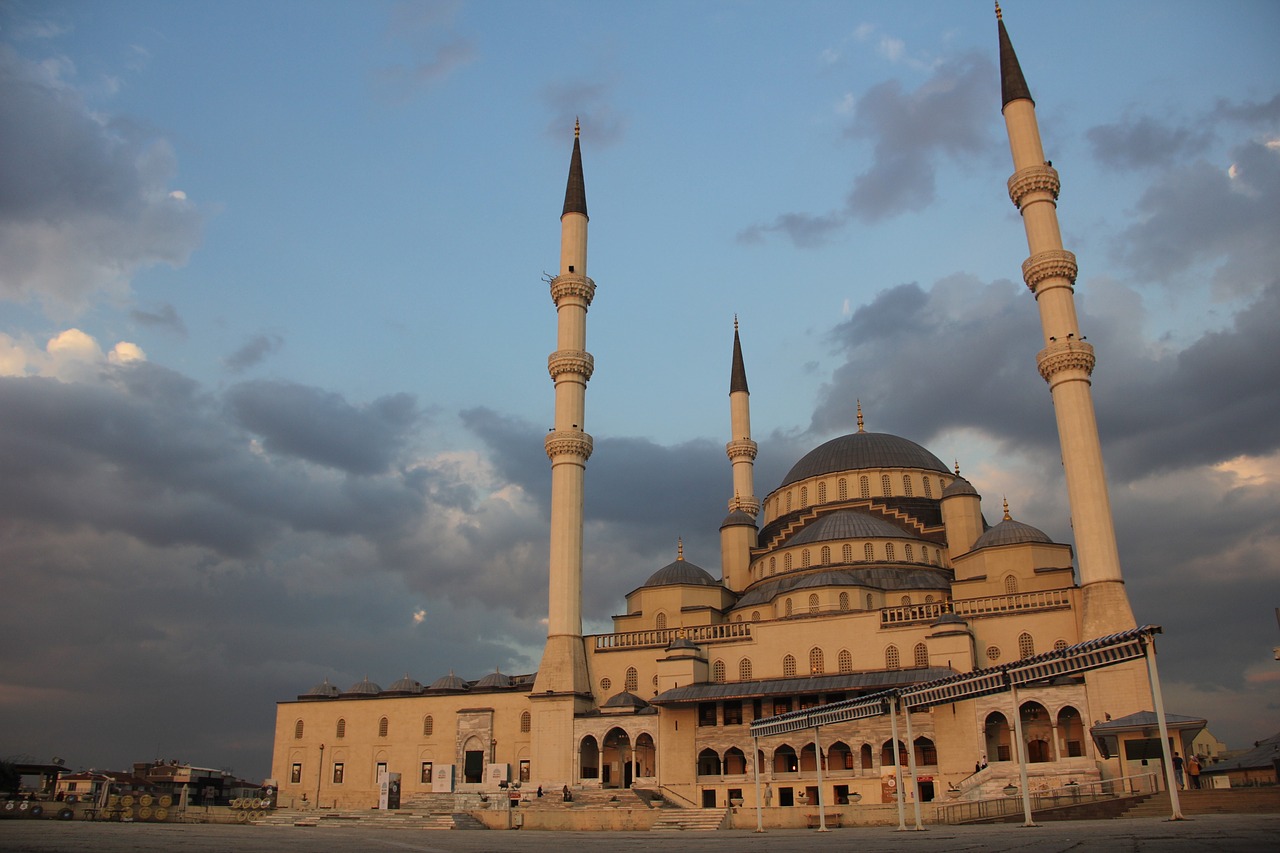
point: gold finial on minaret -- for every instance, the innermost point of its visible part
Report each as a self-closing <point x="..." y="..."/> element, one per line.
<point x="957" y="467"/>
<point x="860" y="427"/>
<point x="679" y="548"/>
<point x="1007" y="517"/>
<point x="999" y="14"/>
<point x="735" y="321"/>
<point x="577" y="128"/>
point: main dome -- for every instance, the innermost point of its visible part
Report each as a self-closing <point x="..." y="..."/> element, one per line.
<point x="862" y="450"/>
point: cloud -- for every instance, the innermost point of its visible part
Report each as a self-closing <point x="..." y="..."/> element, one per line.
<point x="910" y="132"/>
<point x="84" y="200"/>
<point x="1143" y="142"/>
<point x="424" y="32"/>
<point x="322" y="427"/>
<point x="253" y="352"/>
<point x="588" y="101"/>
<point x="164" y="317"/>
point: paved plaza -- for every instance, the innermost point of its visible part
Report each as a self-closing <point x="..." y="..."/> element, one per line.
<point x="1234" y="833"/>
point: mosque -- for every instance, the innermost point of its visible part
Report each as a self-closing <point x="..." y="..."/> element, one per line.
<point x="870" y="566"/>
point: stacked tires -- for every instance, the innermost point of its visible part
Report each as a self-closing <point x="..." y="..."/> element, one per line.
<point x="250" y="809"/>
<point x="143" y="807"/>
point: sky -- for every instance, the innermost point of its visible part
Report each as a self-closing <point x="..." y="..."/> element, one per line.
<point x="274" y="322"/>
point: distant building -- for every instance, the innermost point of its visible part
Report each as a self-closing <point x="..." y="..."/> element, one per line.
<point x="1257" y="766"/>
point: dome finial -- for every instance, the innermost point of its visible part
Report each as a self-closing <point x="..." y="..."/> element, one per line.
<point x="577" y="126"/>
<point x="735" y="321"/>
<point x="860" y="427"/>
<point x="1007" y="517"/>
<point x="957" y="467"/>
<point x="999" y="14"/>
<point x="679" y="548"/>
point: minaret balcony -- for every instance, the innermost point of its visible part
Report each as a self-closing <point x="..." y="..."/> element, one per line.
<point x="574" y="285"/>
<point x="1034" y="179"/>
<point x="568" y="442"/>
<point x="742" y="448"/>
<point x="571" y="361"/>
<point x="1043" y="266"/>
<point x="1062" y="356"/>
<point x="749" y="505"/>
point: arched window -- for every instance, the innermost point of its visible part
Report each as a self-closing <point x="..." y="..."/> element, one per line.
<point x="864" y="487"/>
<point x="755" y="615"/>
<point x="844" y="601"/>
<point x="788" y="666"/>
<point x="846" y="553"/>
<point x="922" y="654"/>
<point x="297" y="730"/>
<point x="813" y="603"/>
<point x="1059" y="645"/>
<point x="1010" y="584"/>
<point x="908" y="553"/>
<point x="826" y="555"/>
<point x="845" y="660"/>
<point x="788" y="607"/>
<point x="660" y="621"/>
<point x="708" y="763"/>
<point x="822" y="492"/>
<point x="865" y="755"/>
<point x="928" y="489"/>
<point x="889" y="552"/>
<point x="525" y="722"/>
<point x="804" y="496"/>
<point x="773" y="565"/>
<point x="886" y="486"/>
<point x="928" y="599"/>
<point x="842" y="489"/>
<point x="428" y="726"/>
<point x="816" y="666"/>
<point x="744" y="669"/>
<point x="717" y="672"/>
<point x="788" y="502"/>
<point x="891" y="658"/>
<point x="804" y="558"/>
<point x="633" y="680"/>
<point x="906" y="601"/>
<point x="906" y="485"/>
<point x="382" y="727"/>
<point x="786" y="562"/>
<point x="868" y="552"/>
<point x="342" y="728"/>
<point x="870" y="602"/>
<point x="1026" y="646"/>
<point x="924" y="555"/>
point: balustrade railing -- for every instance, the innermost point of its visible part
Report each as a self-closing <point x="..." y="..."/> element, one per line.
<point x="722" y="632"/>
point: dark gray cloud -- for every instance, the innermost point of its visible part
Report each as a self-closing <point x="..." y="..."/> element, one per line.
<point x="910" y="131"/>
<point x="164" y="317"/>
<point x="322" y="427"/>
<point x="253" y="352"/>
<point x="1143" y="142"/>
<point x="431" y="50"/>
<point x="588" y="101"/>
<point x="84" y="201"/>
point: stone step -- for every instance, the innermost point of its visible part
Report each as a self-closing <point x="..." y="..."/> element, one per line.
<point x="401" y="819"/>
<point x="690" y="820"/>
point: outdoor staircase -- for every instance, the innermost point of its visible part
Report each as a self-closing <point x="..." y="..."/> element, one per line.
<point x="690" y="820"/>
<point x="382" y="818"/>
<point x="1209" y="801"/>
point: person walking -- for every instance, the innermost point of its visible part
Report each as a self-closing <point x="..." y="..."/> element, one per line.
<point x="1177" y="771"/>
<point x="1193" y="771"/>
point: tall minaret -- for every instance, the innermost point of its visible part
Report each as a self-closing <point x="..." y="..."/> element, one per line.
<point x="738" y="532"/>
<point x="1066" y="361"/>
<point x="562" y="686"/>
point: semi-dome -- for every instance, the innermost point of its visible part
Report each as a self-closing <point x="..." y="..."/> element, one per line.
<point x="848" y="524"/>
<point x="448" y="684"/>
<point x="405" y="685"/>
<point x="494" y="681"/>
<point x="681" y="572"/>
<point x="625" y="699"/>
<point x="364" y="687"/>
<point x="1010" y="532"/>
<point x="324" y="690"/>
<point x="863" y="450"/>
<point x="738" y="518"/>
<point x="959" y="486"/>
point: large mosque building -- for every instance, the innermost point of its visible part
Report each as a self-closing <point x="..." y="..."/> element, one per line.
<point x="870" y="566"/>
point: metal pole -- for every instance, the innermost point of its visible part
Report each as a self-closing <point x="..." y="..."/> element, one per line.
<point x="319" y="775"/>
<point x="1170" y="780"/>
<point x="822" y="811"/>
<point x="755" y="761"/>
<point x="1022" y="756"/>
<point x="911" y="765"/>
<point x="897" y="767"/>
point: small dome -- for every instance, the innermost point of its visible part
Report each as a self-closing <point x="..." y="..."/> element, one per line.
<point x="959" y="486"/>
<point x="448" y="684"/>
<point x="405" y="685"/>
<point x="738" y="518"/>
<point x="848" y="524"/>
<point x="862" y="450"/>
<point x="626" y="699"/>
<point x="494" y="681"/>
<point x="1010" y="532"/>
<point x="363" y="688"/>
<point x="682" y="643"/>
<point x="323" y="690"/>
<point x="948" y="619"/>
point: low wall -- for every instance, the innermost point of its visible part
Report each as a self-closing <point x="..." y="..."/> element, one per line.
<point x="797" y="817"/>
<point x="570" y="820"/>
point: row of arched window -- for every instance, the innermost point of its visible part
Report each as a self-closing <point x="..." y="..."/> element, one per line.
<point x="886" y="484"/>
<point x="384" y="726"/>
<point x="818" y="665"/>
<point x="839" y="756"/>
<point x="928" y="557"/>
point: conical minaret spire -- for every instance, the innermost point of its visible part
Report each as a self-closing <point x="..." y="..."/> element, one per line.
<point x="562" y="686"/>
<point x="1066" y="362"/>
<point x="741" y="449"/>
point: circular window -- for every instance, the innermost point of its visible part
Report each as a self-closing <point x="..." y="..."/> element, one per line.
<point x="605" y="684"/>
<point x="993" y="653"/>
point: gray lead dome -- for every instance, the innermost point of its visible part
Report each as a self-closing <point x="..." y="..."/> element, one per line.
<point x="863" y="450"/>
